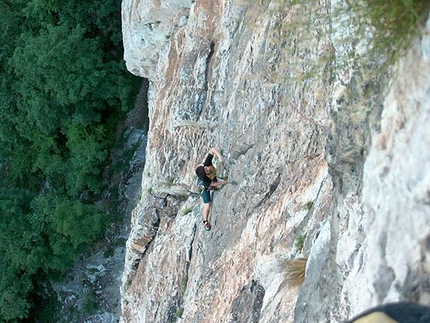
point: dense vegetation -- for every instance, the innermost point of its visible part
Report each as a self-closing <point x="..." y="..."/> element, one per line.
<point x="64" y="88"/>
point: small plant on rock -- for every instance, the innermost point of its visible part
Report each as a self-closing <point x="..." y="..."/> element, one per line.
<point x="309" y="205"/>
<point x="300" y="241"/>
<point x="187" y="211"/>
<point x="170" y="181"/>
<point x="179" y="312"/>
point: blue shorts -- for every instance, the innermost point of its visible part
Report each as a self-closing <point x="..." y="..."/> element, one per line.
<point x="206" y="196"/>
<point x="204" y="192"/>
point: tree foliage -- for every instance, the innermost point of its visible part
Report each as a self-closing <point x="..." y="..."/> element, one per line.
<point x="63" y="88"/>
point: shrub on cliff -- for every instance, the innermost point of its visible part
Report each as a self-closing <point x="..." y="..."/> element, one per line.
<point x="64" y="87"/>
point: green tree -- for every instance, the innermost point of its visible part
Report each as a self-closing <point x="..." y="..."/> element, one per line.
<point x="70" y="227"/>
<point x="54" y="74"/>
<point x="87" y="153"/>
<point x="15" y="283"/>
<point x="63" y="89"/>
<point x="14" y="289"/>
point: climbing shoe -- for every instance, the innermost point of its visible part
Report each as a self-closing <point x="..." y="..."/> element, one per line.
<point x="207" y="225"/>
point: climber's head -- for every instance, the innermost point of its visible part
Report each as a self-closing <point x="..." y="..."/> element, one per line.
<point x="201" y="172"/>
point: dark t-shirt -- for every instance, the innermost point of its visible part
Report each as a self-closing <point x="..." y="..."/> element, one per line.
<point x="208" y="162"/>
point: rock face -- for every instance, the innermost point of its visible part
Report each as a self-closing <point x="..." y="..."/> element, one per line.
<point x="148" y="26"/>
<point x="327" y="166"/>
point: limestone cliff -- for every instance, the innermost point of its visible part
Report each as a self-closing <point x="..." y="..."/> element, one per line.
<point x="327" y="165"/>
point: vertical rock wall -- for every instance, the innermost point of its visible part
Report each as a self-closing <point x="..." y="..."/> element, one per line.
<point x="313" y="157"/>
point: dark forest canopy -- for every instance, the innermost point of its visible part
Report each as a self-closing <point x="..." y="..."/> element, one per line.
<point x="64" y="88"/>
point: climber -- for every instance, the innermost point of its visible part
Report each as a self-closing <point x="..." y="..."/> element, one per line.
<point x="207" y="180"/>
<point x="401" y="312"/>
